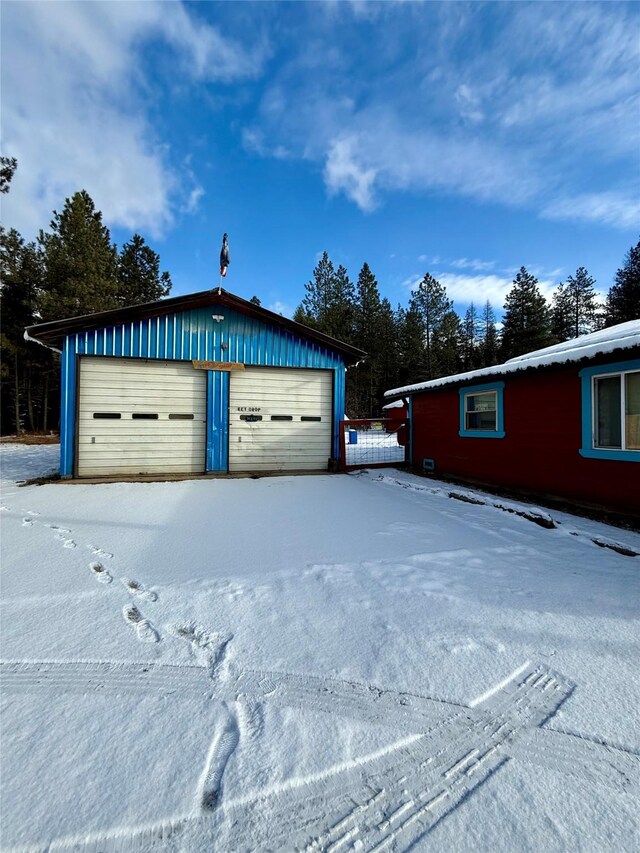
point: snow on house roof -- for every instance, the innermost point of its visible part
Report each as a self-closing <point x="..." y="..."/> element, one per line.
<point x="397" y="404"/>
<point x="622" y="336"/>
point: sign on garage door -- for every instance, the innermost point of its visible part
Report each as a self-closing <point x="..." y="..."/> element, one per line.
<point x="280" y="419"/>
<point x="140" y="416"/>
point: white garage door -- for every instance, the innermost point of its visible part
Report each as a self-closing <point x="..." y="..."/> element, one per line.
<point x="140" y="417"/>
<point x="280" y="419"/>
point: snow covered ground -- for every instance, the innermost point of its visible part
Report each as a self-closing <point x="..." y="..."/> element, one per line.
<point x="324" y="662"/>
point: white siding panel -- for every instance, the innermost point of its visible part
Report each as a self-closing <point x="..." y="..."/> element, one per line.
<point x="280" y="445"/>
<point x="133" y="445"/>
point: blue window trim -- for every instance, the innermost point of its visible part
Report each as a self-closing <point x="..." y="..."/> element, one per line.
<point x="498" y="387"/>
<point x="586" y="376"/>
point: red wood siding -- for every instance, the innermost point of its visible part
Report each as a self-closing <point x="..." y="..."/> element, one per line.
<point x="540" y="451"/>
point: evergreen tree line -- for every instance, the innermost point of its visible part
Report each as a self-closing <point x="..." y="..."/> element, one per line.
<point x="70" y="270"/>
<point x="427" y="338"/>
<point x="74" y="269"/>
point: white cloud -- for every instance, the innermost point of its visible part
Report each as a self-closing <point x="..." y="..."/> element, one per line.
<point x="468" y="104"/>
<point x="468" y="116"/>
<point x="206" y="54"/>
<point x="476" y="264"/>
<point x="619" y="209"/>
<point x="343" y="173"/>
<point x="193" y="201"/>
<point x="74" y="117"/>
<point x="254" y="141"/>
<point x="383" y="156"/>
<point x="478" y="288"/>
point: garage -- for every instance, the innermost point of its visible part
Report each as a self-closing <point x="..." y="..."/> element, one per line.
<point x="203" y="383"/>
<point x="280" y="419"/>
<point x="140" y="416"/>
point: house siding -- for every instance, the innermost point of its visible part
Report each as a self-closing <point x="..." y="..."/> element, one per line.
<point x="540" y="452"/>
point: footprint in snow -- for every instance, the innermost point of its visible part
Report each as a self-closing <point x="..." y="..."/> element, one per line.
<point x="56" y="527"/>
<point x="99" y="552"/>
<point x="30" y="512"/>
<point x="27" y="522"/>
<point x="144" y="629"/>
<point x="101" y="574"/>
<point x="210" y="644"/>
<point x="66" y="543"/>
<point x="136" y="588"/>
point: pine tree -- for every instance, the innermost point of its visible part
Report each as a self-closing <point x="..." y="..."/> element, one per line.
<point x="623" y="299"/>
<point x="301" y="316"/>
<point x="339" y="317"/>
<point x="29" y="371"/>
<point x="431" y="300"/>
<point x="527" y="323"/>
<point x="80" y="261"/>
<point x="575" y="309"/>
<point x="447" y="345"/>
<point x="489" y="344"/>
<point x="139" y="277"/>
<point x="469" y="338"/>
<point x="411" y="352"/>
<point x="8" y="166"/>
<point x="368" y="306"/>
<point x="328" y="304"/>
<point x="319" y="292"/>
<point x="387" y="349"/>
<point x="368" y="310"/>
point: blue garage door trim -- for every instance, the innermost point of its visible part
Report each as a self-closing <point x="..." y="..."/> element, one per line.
<point x="217" y="420"/>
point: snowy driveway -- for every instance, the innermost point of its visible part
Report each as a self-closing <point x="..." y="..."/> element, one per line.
<point x="324" y="662"/>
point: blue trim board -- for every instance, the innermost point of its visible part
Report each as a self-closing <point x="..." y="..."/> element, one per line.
<point x="339" y="405"/>
<point x="68" y="410"/>
<point x="477" y="389"/>
<point x="586" y="376"/>
<point x="217" y="420"/>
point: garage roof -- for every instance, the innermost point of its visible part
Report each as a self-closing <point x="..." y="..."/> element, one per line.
<point x="53" y="333"/>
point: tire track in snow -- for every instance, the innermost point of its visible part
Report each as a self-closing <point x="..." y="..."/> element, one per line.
<point x="389" y="801"/>
<point x="405" y="712"/>
<point x="572" y="755"/>
<point x="444" y="767"/>
<point x="102" y="676"/>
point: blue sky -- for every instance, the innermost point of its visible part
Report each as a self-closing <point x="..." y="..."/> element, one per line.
<point x="461" y="139"/>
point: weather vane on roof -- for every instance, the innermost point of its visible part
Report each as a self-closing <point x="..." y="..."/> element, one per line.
<point x="224" y="256"/>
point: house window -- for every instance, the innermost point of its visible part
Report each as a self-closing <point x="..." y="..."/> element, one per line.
<point x="482" y="411"/>
<point x="611" y="411"/>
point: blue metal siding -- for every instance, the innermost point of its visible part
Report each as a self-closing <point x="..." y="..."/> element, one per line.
<point x="195" y="335"/>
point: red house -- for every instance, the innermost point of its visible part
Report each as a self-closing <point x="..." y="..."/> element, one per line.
<point x="561" y="423"/>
